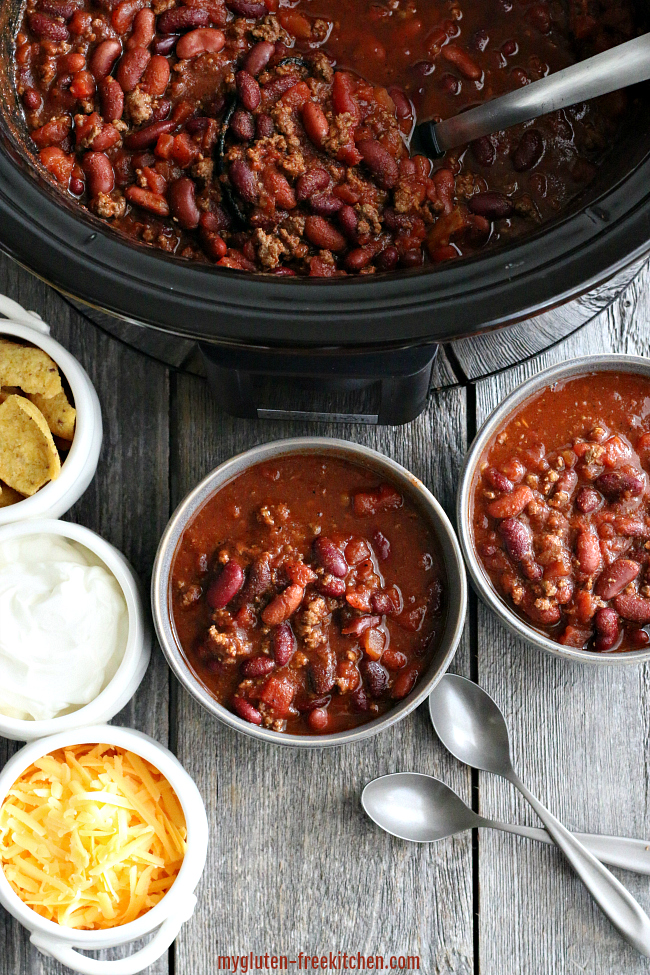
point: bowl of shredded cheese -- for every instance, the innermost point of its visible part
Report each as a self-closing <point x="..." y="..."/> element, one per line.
<point x="103" y="840"/>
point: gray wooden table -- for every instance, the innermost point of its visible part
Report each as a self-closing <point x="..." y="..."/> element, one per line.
<point x="293" y="862"/>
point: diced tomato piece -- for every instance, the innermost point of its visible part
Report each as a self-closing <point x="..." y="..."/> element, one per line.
<point x="279" y="692"/>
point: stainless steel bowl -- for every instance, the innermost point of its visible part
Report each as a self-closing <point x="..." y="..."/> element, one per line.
<point x="480" y="579"/>
<point x="386" y="468"/>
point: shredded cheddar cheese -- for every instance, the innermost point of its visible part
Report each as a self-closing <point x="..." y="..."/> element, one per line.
<point x="91" y="836"/>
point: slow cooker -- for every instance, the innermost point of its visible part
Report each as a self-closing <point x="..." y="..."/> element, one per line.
<point x="349" y="331"/>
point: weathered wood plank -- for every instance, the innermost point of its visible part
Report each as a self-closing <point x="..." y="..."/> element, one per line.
<point x="293" y="863"/>
<point x="127" y="503"/>
<point x="580" y="740"/>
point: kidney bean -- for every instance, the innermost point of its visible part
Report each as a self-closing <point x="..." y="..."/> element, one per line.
<point x="244" y="180"/>
<point x="318" y="719"/>
<point x="144" y="29"/>
<point x="511" y="505"/>
<point x="149" y="136"/>
<point x="53" y="132"/>
<point x="226" y="585"/>
<point x="330" y="557"/>
<point x="325" y="204"/>
<point x="311" y="182"/>
<point x="617" y="484"/>
<point x="587" y="500"/>
<point x="258" y="667"/>
<point x="258" y="57"/>
<point x="360" y="624"/>
<point x="156" y="76"/>
<point x="375" y="677"/>
<point x="104" y="57"/>
<point x="491" y="205"/>
<point x="388" y="603"/>
<point x="32" y="99"/>
<point x="329" y="585"/>
<point x="393" y="659"/>
<point x="359" y="258"/>
<point x="388" y="259"/>
<point x="315" y="123"/>
<point x="180" y="19"/>
<point x="283" y="605"/>
<point x="182" y="203"/>
<point x="484" y="151"/>
<point x="588" y="553"/>
<point x="245" y="710"/>
<point x="616" y="577"/>
<point x="639" y="638"/>
<point x="462" y="60"/>
<point x="124" y="14"/>
<point x="322" y="670"/>
<point x="380" y="163"/>
<point x="264" y="126"/>
<point x="518" y="539"/>
<point x="248" y="90"/>
<point x="247" y="8"/>
<point x="305" y="705"/>
<point x="131" y="68"/>
<point x="607" y="625"/>
<point x="402" y="105"/>
<point x="539" y="16"/>
<point x="382" y="545"/>
<point x="99" y="173"/>
<point x="404" y="683"/>
<point x="259" y="573"/>
<point x="498" y="480"/>
<point x="242" y="125"/>
<point x="323" y="234"/>
<point x="47" y="29"/>
<point x="529" y="151"/>
<point x="201" y="41"/>
<point x="284" y="644"/>
<point x="58" y="8"/>
<point x="631" y="527"/>
<point x="165" y="44"/>
<point x="359" y="700"/>
<point x="632" y="606"/>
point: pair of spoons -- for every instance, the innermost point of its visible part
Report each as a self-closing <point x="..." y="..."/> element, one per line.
<point x="421" y="808"/>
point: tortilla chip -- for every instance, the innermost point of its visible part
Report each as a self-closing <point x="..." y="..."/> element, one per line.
<point x="57" y="411"/>
<point x="8" y="496"/>
<point x="28" y="455"/>
<point x="30" y="368"/>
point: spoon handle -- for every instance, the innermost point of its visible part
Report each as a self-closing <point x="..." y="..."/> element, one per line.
<point x="610" y="895"/>
<point x="617" y="851"/>
<point x="623" y="65"/>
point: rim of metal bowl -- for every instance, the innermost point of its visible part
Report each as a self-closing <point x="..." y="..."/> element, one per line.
<point x="453" y="560"/>
<point x="607" y="362"/>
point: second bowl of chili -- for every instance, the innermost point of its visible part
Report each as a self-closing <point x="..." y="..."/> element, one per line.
<point x="309" y="592"/>
<point x="554" y="510"/>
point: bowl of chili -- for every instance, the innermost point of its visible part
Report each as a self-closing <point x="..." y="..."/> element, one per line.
<point x="309" y="592"/>
<point x="554" y="510"/>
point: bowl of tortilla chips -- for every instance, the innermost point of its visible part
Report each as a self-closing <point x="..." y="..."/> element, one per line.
<point x="50" y="425"/>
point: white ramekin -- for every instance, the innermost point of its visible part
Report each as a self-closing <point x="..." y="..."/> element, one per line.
<point x="131" y="670"/>
<point x="168" y="915"/>
<point x="78" y="469"/>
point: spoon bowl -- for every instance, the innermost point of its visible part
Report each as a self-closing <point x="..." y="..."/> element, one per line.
<point x="470" y="725"/>
<point x="416" y="807"/>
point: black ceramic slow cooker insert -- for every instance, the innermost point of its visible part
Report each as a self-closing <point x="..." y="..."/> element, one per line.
<point x="604" y="230"/>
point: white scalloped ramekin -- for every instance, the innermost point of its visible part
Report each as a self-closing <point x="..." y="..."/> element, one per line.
<point x="168" y="916"/>
<point x="131" y="670"/>
<point x="78" y="469"/>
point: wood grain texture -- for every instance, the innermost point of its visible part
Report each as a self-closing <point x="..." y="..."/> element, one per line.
<point x="293" y="862"/>
<point x="580" y="742"/>
<point x="127" y="503"/>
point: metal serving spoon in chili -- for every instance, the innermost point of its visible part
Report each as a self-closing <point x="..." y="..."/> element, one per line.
<point x="626" y="64"/>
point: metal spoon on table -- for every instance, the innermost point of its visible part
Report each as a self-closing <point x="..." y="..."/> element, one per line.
<point x="623" y="65"/>
<point x="471" y="726"/>
<point x="422" y="809"/>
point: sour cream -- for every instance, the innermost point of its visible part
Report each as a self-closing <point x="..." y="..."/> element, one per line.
<point x="63" y="626"/>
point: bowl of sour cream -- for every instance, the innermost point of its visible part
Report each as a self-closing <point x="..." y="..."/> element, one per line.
<point x="74" y="638"/>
